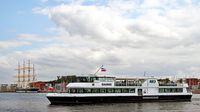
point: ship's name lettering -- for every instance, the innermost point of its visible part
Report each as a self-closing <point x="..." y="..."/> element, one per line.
<point x="106" y="84"/>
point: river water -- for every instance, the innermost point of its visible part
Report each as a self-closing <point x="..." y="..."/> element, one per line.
<point x="37" y="102"/>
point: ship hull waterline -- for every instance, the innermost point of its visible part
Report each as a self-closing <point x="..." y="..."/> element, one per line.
<point x="115" y="99"/>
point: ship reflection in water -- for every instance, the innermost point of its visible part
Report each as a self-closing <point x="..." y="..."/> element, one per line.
<point x="37" y="102"/>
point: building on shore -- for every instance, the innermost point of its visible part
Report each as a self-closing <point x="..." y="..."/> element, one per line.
<point x="58" y="85"/>
<point x="40" y="85"/>
<point x="8" y="87"/>
<point x="193" y="83"/>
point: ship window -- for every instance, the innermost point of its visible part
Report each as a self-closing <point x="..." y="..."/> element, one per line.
<point x="83" y="79"/>
<point x="118" y="90"/>
<point x="161" y="90"/>
<point x="170" y="90"/>
<point x="179" y="89"/>
<point x="167" y="90"/>
<point x="125" y="90"/>
<point x="173" y="90"/>
<point x="152" y="81"/>
<point x="67" y="91"/>
<point x="80" y="90"/>
<point x="93" y="78"/>
<point x="102" y="90"/>
<point x="188" y="90"/>
<point x="132" y="90"/>
<point x="130" y="83"/>
<point x="87" y="90"/>
<point x="110" y="90"/>
<point x="102" y="79"/>
<point x="105" y="79"/>
<point x="95" y="90"/>
<point x="72" y="90"/>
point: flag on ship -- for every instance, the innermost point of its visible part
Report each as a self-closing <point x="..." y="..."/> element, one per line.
<point x="103" y="69"/>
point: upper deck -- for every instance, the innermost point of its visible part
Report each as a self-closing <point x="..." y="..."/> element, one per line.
<point x="108" y="81"/>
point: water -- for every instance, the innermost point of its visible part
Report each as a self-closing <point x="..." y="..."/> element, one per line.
<point x="37" y="102"/>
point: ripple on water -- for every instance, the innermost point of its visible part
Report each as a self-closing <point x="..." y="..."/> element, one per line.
<point x="37" y="102"/>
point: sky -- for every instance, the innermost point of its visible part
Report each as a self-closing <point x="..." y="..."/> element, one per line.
<point x="128" y="37"/>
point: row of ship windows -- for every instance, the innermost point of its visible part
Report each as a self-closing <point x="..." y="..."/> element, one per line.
<point x="170" y="90"/>
<point x="119" y="90"/>
<point x="101" y="90"/>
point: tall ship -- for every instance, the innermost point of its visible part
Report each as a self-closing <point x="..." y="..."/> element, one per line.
<point x="107" y="89"/>
<point x="26" y="75"/>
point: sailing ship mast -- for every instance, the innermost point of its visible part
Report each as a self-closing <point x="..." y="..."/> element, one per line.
<point x="26" y="77"/>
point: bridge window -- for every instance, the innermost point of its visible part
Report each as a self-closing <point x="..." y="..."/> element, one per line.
<point x="152" y="81"/>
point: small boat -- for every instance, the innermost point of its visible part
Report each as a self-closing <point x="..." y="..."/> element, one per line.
<point x="105" y="89"/>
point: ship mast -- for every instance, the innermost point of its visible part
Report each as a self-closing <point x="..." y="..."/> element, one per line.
<point x="24" y="75"/>
<point x="25" y="78"/>
<point x="34" y="76"/>
<point x="29" y="70"/>
<point x="18" y="75"/>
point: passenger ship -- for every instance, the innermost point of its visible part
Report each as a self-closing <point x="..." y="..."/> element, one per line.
<point x="104" y="89"/>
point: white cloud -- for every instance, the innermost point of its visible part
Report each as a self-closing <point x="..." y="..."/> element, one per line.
<point x="128" y="37"/>
<point x="148" y="32"/>
<point x="34" y="38"/>
<point x="11" y="44"/>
